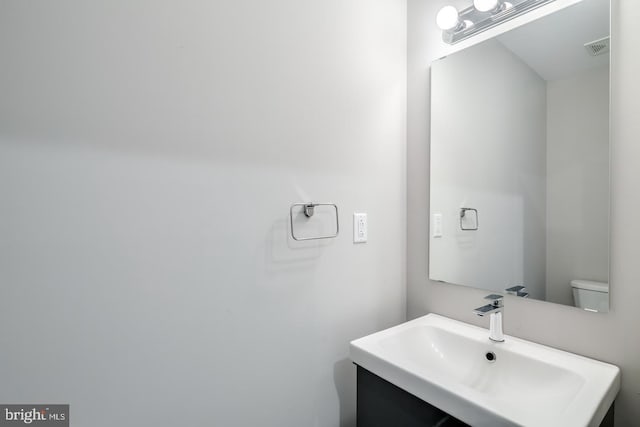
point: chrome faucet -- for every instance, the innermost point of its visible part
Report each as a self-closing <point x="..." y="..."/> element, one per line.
<point x="495" y="320"/>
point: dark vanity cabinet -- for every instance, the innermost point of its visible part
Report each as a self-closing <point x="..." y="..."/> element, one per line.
<point x="382" y="404"/>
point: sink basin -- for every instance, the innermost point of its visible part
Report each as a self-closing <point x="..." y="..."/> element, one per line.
<point x="447" y="364"/>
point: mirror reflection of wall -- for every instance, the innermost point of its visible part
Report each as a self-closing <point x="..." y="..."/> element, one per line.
<point x="520" y="132"/>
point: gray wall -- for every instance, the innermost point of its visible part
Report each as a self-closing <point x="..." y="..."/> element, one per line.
<point x="149" y="152"/>
<point x="577" y="181"/>
<point x="611" y="337"/>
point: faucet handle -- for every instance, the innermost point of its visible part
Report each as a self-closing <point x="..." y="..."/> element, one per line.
<point x="518" y="290"/>
<point x="496" y="299"/>
<point x="515" y="289"/>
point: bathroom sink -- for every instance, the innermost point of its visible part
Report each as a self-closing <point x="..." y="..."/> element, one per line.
<point x="455" y="367"/>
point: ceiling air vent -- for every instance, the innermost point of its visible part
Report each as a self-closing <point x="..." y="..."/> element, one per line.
<point x="598" y="47"/>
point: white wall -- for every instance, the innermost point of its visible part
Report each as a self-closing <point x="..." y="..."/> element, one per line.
<point x="577" y="181"/>
<point x="611" y="337"/>
<point x="149" y="152"/>
<point x="491" y="159"/>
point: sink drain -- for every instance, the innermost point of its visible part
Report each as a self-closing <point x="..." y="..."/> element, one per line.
<point x="491" y="356"/>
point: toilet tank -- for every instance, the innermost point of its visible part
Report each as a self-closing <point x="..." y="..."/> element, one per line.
<point x="591" y="295"/>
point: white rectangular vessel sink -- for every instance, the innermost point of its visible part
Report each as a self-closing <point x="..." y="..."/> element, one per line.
<point x="444" y="362"/>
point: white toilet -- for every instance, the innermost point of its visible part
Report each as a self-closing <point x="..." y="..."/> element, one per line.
<point x="590" y="295"/>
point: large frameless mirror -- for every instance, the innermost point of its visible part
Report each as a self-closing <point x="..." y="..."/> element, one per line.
<point x="520" y="161"/>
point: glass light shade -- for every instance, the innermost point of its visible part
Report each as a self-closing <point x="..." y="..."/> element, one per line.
<point x="448" y="18"/>
<point x="485" y="5"/>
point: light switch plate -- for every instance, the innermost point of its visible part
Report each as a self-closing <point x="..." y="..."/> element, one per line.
<point x="359" y="227"/>
<point x="437" y="225"/>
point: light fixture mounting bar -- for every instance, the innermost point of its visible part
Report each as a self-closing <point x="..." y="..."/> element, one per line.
<point x="477" y="22"/>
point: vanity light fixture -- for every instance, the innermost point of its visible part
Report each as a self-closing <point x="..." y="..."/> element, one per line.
<point x="482" y="15"/>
